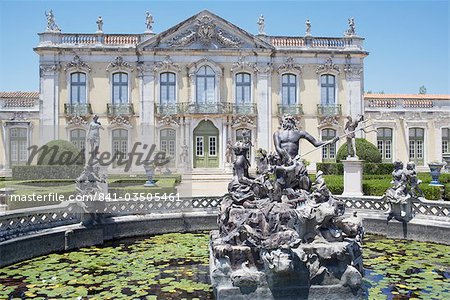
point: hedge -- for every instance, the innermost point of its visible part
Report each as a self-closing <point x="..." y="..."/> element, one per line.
<point x="60" y="152"/>
<point x="368" y="168"/>
<point x="365" y="150"/>
<point x="46" y="172"/>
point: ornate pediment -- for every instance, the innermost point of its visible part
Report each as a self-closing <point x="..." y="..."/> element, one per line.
<point x="119" y="64"/>
<point x="204" y="31"/>
<point x="165" y="65"/>
<point x="290" y="66"/>
<point x="77" y="64"/>
<point x="243" y="65"/>
<point x="328" y="67"/>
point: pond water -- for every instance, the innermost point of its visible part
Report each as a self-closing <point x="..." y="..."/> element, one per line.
<point x="175" y="266"/>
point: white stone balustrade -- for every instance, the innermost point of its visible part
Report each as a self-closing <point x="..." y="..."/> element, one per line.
<point x="67" y="39"/>
<point x="19" y="104"/>
<point x="400" y="104"/>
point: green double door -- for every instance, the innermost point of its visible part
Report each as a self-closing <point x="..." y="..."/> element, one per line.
<point x="206" y="145"/>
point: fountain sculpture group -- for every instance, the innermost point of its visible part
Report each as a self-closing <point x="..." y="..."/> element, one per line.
<point x="281" y="236"/>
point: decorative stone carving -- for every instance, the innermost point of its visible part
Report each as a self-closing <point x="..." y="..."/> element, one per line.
<point x="141" y="68"/>
<point x="330" y="120"/>
<point x="48" y="68"/>
<point x="165" y="65"/>
<point x="99" y="25"/>
<point x="327" y="67"/>
<point x="77" y="64"/>
<point x="51" y="24"/>
<point x="353" y="71"/>
<point x="169" y="120"/>
<point x="149" y="22"/>
<point x="290" y="65"/>
<point x="120" y="121"/>
<point x="205" y="31"/>
<point x="243" y="120"/>
<point x="77" y="121"/>
<point x="242" y="65"/>
<point x="278" y="235"/>
<point x="119" y="63"/>
<point x="351" y="28"/>
<point x="308" y="28"/>
<point x="405" y="188"/>
<point x="19" y="116"/>
<point x="261" y="25"/>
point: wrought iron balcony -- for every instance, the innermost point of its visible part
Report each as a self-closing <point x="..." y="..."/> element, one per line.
<point x="207" y="108"/>
<point x="122" y="109"/>
<point x="329" y="110"/>
<point x="169" y="109"/>
<point x="78" y="109"/>
<point x="244" y="109"/>
<point x="290" y="109"/>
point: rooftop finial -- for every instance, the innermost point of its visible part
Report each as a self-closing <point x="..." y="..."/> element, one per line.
<point x="261" y="24"/>
<point x="51" y="25"/>
<point x="351" y="28"/>
<point x="99" y="25"/>
<point x="308" y="28"/>
<point x="149" y="23"/>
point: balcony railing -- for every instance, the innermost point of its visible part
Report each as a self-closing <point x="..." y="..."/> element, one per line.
<point x="244" y="109"/>
<point x="291" y="109"/>
<point x="123" y="109"/>
<point x="169" y="109"/>
<point x="329" y="110"/>
<point x="79" y="109"/>
<point x="19" y="104"/>
<point x="206" y="108"/>
<point x="419" y="104"/>
<point x="89" y="39"/>
<point x="318" y="42"/>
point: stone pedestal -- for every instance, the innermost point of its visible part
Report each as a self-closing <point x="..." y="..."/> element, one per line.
<point x="353" y="175"/>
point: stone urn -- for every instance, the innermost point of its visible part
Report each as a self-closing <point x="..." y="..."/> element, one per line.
<point x="435" y="172"/>
<point x="149" y="172"/>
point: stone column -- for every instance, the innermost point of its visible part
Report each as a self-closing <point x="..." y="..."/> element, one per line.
<point x="264" y="110"/>
<point x="49" y="98"/>
<point x="147" y="105"/>
<point x="355" y="91"/>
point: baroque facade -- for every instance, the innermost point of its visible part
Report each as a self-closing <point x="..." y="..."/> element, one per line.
<point x="193" y="88"/>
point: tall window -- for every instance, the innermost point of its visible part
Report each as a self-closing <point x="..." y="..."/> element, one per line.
<point x="18" y="146"/>
<point x="120" y="88"/>
<point x="78" y="138"/>
<point x="119" y="145"/>
<point x="167" y="88"/>
<point x="416" y="145"/>
<point x="329" y="151"/>
<point x="328" y="89"/>
<point x="167" y="144"/>
<point x="243" y="88"/>
<point x="205" y="85"/>
<point x="77" y="88"/>
<point x="384" y="143"/>
<point x="445" y="140"/>
<point x="289" y="89"/>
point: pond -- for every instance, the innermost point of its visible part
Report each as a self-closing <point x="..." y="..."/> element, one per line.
<point x="175" y="266"/>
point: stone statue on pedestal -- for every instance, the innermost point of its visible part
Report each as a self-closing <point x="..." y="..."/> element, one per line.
<point x="149" y="22"/>
<point x="308" y="28"/>
<point x="350" y="128"/>
<point x="99" y="25"/>
<point x="405" y="188"/>
<point x="261" y="25"/>
<point x="351" y="28"/>
<point x="51" y="24"/>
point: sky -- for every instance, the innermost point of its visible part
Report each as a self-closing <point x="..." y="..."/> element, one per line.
<point x="408" y="41"/>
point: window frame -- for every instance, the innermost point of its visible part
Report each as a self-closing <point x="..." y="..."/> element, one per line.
<point x="120" y="84"/>
<point x="78" y="84"/>
<point x="417" y="143"/>
<point x="205" y="77"/>
<point x="326" y="150"/>
<point x="167" y="85"/>
<point x="113" y="139"/>
<point x="241" y="85"/>
<point x="383" y="142"/>
<point x="328" y="85"/>
<point x="78" y="139"/>
<point x="289" y="85"/>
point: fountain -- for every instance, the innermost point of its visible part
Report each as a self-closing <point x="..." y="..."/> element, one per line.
<point x="281" y="237"/>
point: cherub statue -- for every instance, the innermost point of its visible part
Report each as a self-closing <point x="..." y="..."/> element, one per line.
<point x="413" y="181"/>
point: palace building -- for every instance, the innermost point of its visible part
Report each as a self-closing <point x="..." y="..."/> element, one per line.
<point x="205" y="83"/>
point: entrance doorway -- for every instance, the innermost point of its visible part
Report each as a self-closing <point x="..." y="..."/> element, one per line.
<point x="206" y="145"/>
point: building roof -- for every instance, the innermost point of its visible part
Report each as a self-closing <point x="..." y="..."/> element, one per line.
<point x="408" y="96"/>
<point x="19" y="94"/>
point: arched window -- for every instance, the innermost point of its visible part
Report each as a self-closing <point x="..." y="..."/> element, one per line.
<point x="167" y="88"/>
<point x="384" y="143"/>
<point x="328" y="89"/>
<point x="78" y="138"/>
<point x="78" y="88"/>
<point x="328" y="151"/>
<point x="446" y="140"/>
<point x="416" y="145"/>
<point x="289" y="89"/>
<point x="243" y="88"/>
<point x="167" y="144"/>
<point x="120" y="88"/>
<point x="18" y="145"/>
<point x="119" y="145"/>
<point x="205" y="85"/>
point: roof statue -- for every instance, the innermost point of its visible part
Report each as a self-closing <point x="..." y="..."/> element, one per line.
<point x="51" y="25"/>
<point x="149" y="22"/>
